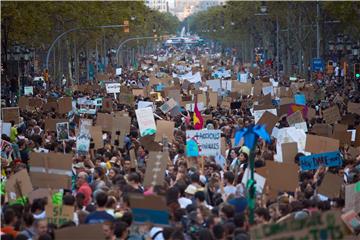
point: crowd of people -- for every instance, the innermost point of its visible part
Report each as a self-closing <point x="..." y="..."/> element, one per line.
<point x="206" y="198"/>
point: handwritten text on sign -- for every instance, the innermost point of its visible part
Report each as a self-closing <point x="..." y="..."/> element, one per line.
<point x="314" y="161"/>
<point x="112" y="87"/>
<point x="208" y="141"/>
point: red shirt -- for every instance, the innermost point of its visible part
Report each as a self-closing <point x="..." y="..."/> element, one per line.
<point x="86" y="190"/>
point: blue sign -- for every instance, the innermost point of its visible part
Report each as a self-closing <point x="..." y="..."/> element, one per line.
<point x="300" y="99"/>
<point x="192" y="148"/>
<point x="314" y="161"/>
<point x="317" y="64"/>
<point x="143" y="215"/>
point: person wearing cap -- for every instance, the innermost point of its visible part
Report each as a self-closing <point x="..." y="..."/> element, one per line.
<point x="83" y="187"/>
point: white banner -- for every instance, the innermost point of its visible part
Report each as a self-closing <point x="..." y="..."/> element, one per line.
<point x="208" y="142"/>
<point x="146" y="121"/>
<point x="112" y="87"/>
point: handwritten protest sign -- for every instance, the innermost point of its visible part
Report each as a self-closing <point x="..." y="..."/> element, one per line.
<point x="203" y="143"/>
<point x="326" y="225"/>
<point x="146" y="121"/>
<point x="331" y="115"/>
<point x="352" y="197"/>
<point x="18" y="185"/>
<point x="258" y="113"/>
<point x="155" y="169"/>
<point x="331" y="185"/>
<point x="150" y="208"/>
<point x="313" y="162"/>
<point x="354" y="108"/>
<point x="59" y="215"/>
<point x="167" y="106"/>
<point x="11" y="114"/>
<point x="112" y="87"/>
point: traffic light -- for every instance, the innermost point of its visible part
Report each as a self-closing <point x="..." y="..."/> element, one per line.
<point x="357" y="71"/>
<point x="126" y="26"/>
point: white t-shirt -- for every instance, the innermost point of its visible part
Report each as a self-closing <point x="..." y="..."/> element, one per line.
<point x="184" y="202"/>
<point x="229" y="190"/>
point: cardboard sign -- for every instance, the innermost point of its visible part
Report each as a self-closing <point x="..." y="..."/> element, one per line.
<point x="289" y="151"/>
<point x="213" y="99"/>
<point x="352" y="221"/>
<point x="59" y="215"/>
<point x="203" y="143"/>
<point x="62" y="131"/>
<point x="149" y="143"/>
<point x="18" y="185"/>
<point x="325" y="225"/>
<point x="105" y="121"/>
<point x="10" y="114"/>
<point x="313" y="162"/>
<point x="269" y="120"/>
<point x="50" y="123"/>
<point x="318" y="144"/>
<point x="164" y="128"/>
<point x="145" y="104"/>
<point x="150" y="208"/>
<point x="83" y="231"/>
<point x="38" y="194"/>
<point x="273" y="170"/>
<point x="343" y="136"/>
<point x="167" y="106"/>
<point x="243" y="88"/>
<point x="294" y="118"/>
<point x="322" y="130"/>
<point x="258" y="113"/>
<point x="5" y="128"/>
<point x="352" y="197"/>
<point x="331" y="185"/>
<point x="112" y="87"/>
<point x="126" y="98"/>
<point x="107" y="105"/>
<point x="96" y="135"/>
<point x="138" y="92"/>
<point x="331" y="115"/>
<point x="64" y="105"/>
<point x="51" y="170"/>
<point x="82" y="144"/>
<point x="155" y="169"/>
<point x="353" y="108"/>
<point x="295" y="107"/>
<point x="146" y="121"/>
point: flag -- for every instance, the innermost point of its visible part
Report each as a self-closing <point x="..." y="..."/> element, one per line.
<point x="198" y="120"/>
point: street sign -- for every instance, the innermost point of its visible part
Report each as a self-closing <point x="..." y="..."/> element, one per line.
<point x="317" y="64"/>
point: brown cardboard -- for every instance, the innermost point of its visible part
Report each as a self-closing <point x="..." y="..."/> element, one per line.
<point x="101" y="77"/>
<point x="319" y="144"/>
<point x="138" y="92"/>
<point x="351" y="219"/>
<point x="59" y="215"/>
<point x="81" y="232"/>
<point x="340" y="127"/>
<point x="10" y="114"/>
<point x="213" y="99"/>
<point x="324" y="130"/>
<point x="48" y="170"/>
<point x="257" y="88"/>
<point x="154" y="202"/>
<point x="289" y="151"/>
<point x="164" y="128"/>
<point x="241" y="88"/>
<point x="155" y="169"/>
<point x="269" y="120"/>
<point x="357" y="137"/>
<point x="107" y="105"/>
<point x="120" y="124"/>
<point x="175" y="94"/>
<point x="354" y="152"/>
<point x="311" y="113"/>
<point x="39" y="193"/>
<point x="23" y="103"/>
<point x="331" y="115"/>
<point x="18" y="185"/>
<point x="286" y="100"/>
<point x="51" y="107"/>
<point x="343" y="136"/>
<point x="331" y="185"/>
<point x="105" y="121"/>
<point x="348" y="119"/>
<point x="133" y="159"/>
<point x="64" y="105"/>
<point x="96" y="135"/>
<point x="149" y="143"/>
<point x="354" y="108"/>
<point x="273" y="170"/>
<point x="296" y="117"/>
<point x="50" y="123"/>
<point x="126" y="98"/>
